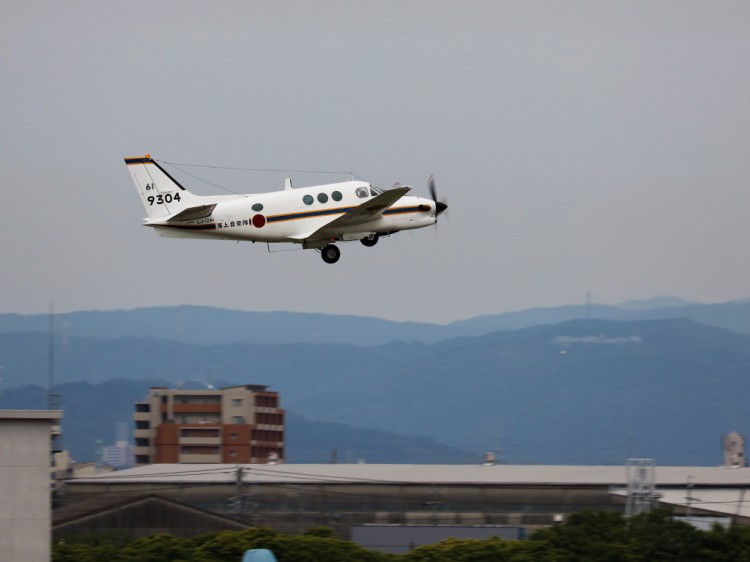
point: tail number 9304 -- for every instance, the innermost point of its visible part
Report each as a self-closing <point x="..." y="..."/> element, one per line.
<point x="160" y="198"/>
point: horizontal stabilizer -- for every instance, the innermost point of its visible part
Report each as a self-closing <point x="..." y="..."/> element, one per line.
<point x="193" y="213"/>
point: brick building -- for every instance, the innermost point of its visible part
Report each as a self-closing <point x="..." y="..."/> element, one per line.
<point x="237" y="424"/>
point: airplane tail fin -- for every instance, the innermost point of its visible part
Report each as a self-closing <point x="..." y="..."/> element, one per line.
<point x="162" y="196"/>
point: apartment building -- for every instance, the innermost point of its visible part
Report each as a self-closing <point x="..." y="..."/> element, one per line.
<point x="237" y="424"/>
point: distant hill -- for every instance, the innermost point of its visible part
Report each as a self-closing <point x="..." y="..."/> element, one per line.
<point x="92" y="410"/>
<point x="210" y="326"/>
<point x="656" y="303"/>
<point x="733" y="315"/>
<point x="581" y="391"/>
<point x="207" y="325"/>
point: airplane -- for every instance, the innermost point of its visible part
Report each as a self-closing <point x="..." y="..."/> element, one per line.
<point x="316" y="217"/>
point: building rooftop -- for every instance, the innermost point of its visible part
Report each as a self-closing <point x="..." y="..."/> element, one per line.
<point x="512" y="475"/>
<point x="30" y="414"/>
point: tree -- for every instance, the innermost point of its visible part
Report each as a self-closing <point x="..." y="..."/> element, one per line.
<point x="160" y="547"/>
<point x="586" y="536"/>
<point x="466" y="550"/>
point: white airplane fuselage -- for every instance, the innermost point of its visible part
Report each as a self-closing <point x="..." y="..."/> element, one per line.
<point x="284" y="215"/>
<point x="315" y="217"/>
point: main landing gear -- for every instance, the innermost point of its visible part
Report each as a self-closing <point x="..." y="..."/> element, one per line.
<point x="330" y="253"/>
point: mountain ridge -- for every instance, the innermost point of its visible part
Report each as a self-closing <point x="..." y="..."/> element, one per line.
<point x="566" y="393"/>
<point x="210" y="325"/>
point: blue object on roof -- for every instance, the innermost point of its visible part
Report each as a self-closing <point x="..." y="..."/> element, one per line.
<point x="259" y="555"/>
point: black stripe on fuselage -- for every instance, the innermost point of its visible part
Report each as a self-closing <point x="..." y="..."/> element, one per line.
<point x="177" y="226"/>
<point x="309" y="214"/>
<point x="336" y="211"/>
<point x="402" y="210"/>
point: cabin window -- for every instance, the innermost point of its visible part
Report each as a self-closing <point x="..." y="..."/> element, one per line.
<point x="258" y="207"/>
<point x="336" y="196"/>
<point x="308" y="200"/>
<point x="361" y="192"/>
<point x="322" y="197"/>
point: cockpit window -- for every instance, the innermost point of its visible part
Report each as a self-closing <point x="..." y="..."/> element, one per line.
<point x="361" y="192"/>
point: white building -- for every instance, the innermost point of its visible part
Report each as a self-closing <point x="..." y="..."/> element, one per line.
<point x="25" y="484"/>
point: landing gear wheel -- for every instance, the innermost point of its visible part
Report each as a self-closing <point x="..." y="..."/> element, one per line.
<point x="370" y="242"/>
<point x="330" y="253"/>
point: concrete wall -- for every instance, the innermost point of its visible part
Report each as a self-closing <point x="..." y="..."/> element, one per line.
<point x="25" y="485"/>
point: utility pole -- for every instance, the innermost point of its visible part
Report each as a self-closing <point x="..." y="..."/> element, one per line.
<point x="236" y="503"/>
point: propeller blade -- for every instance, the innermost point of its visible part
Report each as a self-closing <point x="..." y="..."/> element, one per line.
<point x="440" y="206"/>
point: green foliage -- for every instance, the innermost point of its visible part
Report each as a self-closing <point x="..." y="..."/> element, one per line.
<point x="656" y="537"/>
<point x="588" y="536"/>
<point x="231" y="545"/>
<point x="727" y="545"/>
<point x="466" y="550"/>
<point x="157" y="548"/>
<point x="321" y="531"/>
<point x="584" y="537"/>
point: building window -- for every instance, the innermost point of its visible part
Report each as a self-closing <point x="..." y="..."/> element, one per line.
<point x="233" y="436"/>
<point x="143" y="407"/>
<point x="238" y="419"/>
<point x="142" y="442"/>
<point x="236" y="402"/>
<point x="142" y="459"/>
<point x="141" y="424"/>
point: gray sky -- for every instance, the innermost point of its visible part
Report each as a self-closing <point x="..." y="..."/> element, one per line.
<point x="582" y="146"/>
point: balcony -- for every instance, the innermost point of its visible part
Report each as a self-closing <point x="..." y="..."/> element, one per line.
<point x="200" y="440"/>
<point x="193" y="408"/>
<point x="198" y="459"/>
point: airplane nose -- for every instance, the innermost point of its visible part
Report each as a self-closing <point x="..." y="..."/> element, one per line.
<point x="440" y="207"/>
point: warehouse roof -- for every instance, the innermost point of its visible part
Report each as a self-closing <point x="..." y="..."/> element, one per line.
<point x="516" y="475"/>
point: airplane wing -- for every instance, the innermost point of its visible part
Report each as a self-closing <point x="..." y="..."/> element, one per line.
<point x="365" y="212"/>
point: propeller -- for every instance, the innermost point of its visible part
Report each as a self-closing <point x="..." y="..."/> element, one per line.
<point x="440" y="206"/>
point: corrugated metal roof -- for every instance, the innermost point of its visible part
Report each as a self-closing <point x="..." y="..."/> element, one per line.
<point x="727" y="501"/>
<point x="533" y="475"/>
